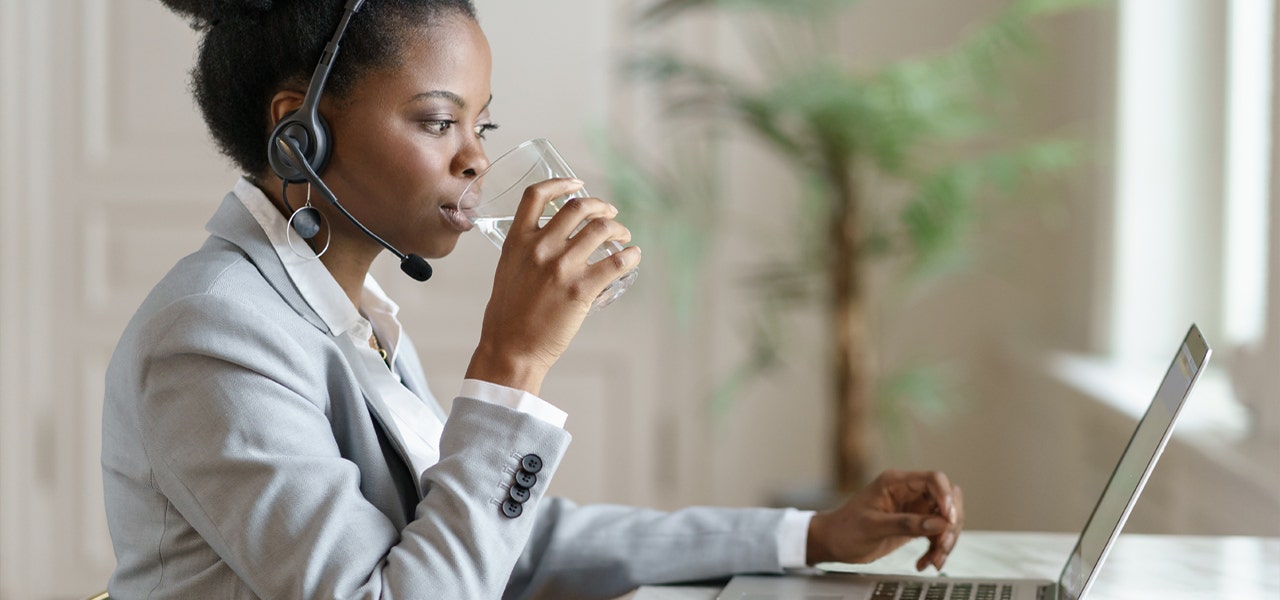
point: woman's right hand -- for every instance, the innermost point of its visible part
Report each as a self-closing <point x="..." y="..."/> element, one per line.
<point x="544" y="288"/>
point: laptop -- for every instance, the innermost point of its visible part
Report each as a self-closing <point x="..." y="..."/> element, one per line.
<point x="1091" y="548"/>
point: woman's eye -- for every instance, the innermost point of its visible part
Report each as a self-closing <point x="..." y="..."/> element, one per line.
<point x="484" y="128"/>
<point x="438" y="127"/>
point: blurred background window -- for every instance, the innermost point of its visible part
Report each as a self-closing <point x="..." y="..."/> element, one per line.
<point x="1250" y="33"/>
<point x="1193" y="181"/>
<point x="1193" y="174"/>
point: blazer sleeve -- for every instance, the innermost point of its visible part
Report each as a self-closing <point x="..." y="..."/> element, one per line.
<point x="604" y="551"/>
<point x="236" y="431"/>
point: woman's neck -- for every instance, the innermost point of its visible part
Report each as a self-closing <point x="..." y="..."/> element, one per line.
<point x="349" y="254"/>
<point x="349" y="263"/>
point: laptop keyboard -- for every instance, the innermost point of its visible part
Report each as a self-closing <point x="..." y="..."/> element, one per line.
<point x="920" y="590"/>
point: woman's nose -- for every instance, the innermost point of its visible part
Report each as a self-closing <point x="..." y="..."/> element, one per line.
<point x="471" y="160"/>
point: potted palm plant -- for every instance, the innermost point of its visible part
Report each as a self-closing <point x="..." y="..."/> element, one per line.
<point x="897" y="162"/>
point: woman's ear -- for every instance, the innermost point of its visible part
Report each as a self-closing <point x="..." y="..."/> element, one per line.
<point x="283" y="103"/>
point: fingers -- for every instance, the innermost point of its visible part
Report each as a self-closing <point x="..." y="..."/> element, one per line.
<point x="924" y="504"/>
<point x="575" y="213"/>
<point x="948" y="540"/>
<point x="535" y="200"/>
<point x="562" y="248"/>
<point x="592" y="235"/>
<point x="909" y="525"/>
<point x="941" y="545"/>
<point x="581" y="226"/>
<point x="908" y="488"/>
<point x="604" y="272"/>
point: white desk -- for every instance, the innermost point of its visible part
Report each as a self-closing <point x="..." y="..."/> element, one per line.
<point x="1140" y="566"/>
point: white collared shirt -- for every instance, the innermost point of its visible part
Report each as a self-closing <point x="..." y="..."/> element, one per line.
<point x="418" y="426"/>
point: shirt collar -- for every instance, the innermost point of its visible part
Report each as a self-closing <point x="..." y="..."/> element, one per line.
<point x="314" y="281"/>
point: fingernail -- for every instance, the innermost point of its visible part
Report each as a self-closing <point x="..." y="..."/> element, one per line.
<point x="934" y="525"/>
<point x="577" y="181"/>
<point x="629" y="259"/>
<point x="951" y="513"/>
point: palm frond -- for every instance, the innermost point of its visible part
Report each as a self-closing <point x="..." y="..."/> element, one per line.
<point x="764" y="355"/>
<point x="918" y="123"/>
<point x="1049" y="7"/>
<point x="669" y="68"/>
<point x="924" y="391"/>
<point x="941" y="211"/>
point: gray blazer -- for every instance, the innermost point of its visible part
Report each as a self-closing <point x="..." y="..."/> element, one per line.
<point x="241" y="459"/>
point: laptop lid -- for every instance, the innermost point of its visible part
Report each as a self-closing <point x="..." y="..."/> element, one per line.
<point x="1135" y="466"/>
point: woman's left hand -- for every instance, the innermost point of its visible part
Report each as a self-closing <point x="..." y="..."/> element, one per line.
<point x="893" y="509"/>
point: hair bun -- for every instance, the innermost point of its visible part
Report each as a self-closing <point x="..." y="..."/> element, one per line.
<point x="207" y="13"/>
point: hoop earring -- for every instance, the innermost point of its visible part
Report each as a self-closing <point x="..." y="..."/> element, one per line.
<point x="306" y="220"/>
<point x="306" y="223"/>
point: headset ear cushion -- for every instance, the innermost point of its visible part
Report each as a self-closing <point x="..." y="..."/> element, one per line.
<point x="311" y="135"/>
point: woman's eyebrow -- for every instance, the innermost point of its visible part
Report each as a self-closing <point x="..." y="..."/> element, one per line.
<point x="447" y="95"/>
<point x="453" y="98"/>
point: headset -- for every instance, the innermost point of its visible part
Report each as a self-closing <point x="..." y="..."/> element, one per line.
<point x="300" y="146"/>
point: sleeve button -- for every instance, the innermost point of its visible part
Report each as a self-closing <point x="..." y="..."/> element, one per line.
<point x="526" y="478"/>
<point x="512" y="509"/>
<point x="519" y="493"/>
<point x="531" y="463"/>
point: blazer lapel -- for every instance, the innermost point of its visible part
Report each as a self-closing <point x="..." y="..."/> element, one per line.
<point x="234" y="223"/>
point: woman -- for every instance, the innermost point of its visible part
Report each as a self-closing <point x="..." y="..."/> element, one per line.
<point x="268" y="432"/>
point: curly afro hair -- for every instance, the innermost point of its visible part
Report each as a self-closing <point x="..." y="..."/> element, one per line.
<point x="252" y="49"/>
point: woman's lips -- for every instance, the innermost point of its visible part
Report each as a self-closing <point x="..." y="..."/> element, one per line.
<point x="455" y="219"/>
<point x="470" y="198"/>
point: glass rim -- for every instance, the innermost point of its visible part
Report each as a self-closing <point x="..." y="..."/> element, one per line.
<point x="539" y="141"/>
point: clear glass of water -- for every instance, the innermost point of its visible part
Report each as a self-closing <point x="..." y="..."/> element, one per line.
<point x="490" y="201"/>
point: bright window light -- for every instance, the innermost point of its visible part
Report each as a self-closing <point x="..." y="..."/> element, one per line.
<point x="1248" y="160"/>
<point x="1160" y="175"/>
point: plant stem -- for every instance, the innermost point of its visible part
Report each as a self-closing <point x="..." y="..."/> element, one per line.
<point x="849" y="328"/>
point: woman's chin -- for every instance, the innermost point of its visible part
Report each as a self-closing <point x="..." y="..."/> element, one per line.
<point x="437" y="248"/>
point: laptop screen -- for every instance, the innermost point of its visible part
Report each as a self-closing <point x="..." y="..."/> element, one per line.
<point x="1134" y="467"/>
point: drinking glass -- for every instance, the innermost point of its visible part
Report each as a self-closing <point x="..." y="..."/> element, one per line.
<point x="490" y="201"/>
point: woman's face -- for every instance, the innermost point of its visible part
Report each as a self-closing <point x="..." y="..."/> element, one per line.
<point x="407" y="139"/>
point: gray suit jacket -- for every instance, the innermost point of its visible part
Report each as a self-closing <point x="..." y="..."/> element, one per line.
<point x="242" y="459"/>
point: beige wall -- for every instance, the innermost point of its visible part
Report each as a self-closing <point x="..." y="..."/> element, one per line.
<point x="1033" y="285"/>
<point x="93" y="215"/>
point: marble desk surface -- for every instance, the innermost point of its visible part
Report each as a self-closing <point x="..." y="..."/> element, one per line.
<point x="1140" y="566"/>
